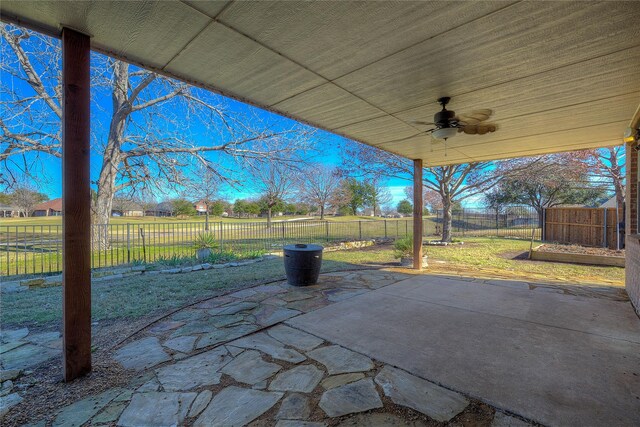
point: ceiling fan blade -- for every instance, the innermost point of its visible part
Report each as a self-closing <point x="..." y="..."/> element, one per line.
<point x="467" y="120"/>
<point x="420" y="122"/>
<point x="470" y="129"/>
<point x="476" y="116"/>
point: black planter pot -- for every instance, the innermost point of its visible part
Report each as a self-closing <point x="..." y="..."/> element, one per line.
<point x="302" y="264"/>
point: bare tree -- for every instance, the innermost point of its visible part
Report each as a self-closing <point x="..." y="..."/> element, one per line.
<point x="25" y="198"/>
<point x="149" y="139"/>
<point x="377" y="194"/>
<point x="203" y="186"/>
<point x="452" y="183"/>
<point x="274" y="181"/>
<point x="608" y="164"/>
<point x="547" y="181"/>
<point x="318" y="186"/>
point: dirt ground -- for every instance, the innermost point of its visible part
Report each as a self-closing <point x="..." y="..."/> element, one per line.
<point x="577" y="249"/>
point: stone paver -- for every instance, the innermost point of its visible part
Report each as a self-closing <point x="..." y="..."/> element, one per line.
<point x="142" y="354"/>
<point x="81" y="411"/>
<point x="274" y="348"/>
<point x="151" y="385"/>
<point x="26" y="356"/>
<point x="201" y="402"/>
<point x="110" y="414"/>
<point x="250" y="368"/>
<point x="9" y="335"/>
<point x="43" y="337"/>
<point x="195" y="371"/>
<point x="9" y="401"/>
<point x="226" y="320"/>
<point x="503" y="420"/>
<point x="8" y="346"/>
<point x="294" y="407"/>
<point x="226" y="334"/>
<point x="423" y="396"/>
<point x="235" y="406"/>
<point x="233" y="308"/>
<point x="156" y="409"/>
<point x="294" y="337"/>
<point x="182" y="344"/>
<point x="268" y="315"/>
<point x="339" y="360"/>
<point x="350" y="398"/>
<point x="338" y="380"/>
<point x="301" y="378"/>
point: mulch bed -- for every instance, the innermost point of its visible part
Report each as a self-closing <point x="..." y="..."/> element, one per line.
<point x="577" y="249"/>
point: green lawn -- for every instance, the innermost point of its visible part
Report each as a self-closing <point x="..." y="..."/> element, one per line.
<point x="36" y="249"/>
<point x="144" y="295"/>
<point x="496" y="255"/>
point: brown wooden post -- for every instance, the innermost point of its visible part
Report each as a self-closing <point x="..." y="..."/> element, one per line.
<point x="417" y="214"/>
<point x="76" y="204"/>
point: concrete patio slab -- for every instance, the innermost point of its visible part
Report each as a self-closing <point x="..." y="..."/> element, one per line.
<point x="556" y="359"/>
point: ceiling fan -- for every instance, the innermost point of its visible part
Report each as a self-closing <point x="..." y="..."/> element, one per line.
<point x="447" y="123"/>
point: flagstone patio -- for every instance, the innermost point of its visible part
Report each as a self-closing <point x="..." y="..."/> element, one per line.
<point x="232" y="360"/>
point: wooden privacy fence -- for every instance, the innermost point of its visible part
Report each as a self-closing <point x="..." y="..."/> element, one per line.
<point x="583" y="226"/>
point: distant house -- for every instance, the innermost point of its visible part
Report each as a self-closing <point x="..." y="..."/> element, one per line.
<point x="7" y="211"/>
<point x="163" y="209"/>
<point x="611" y="203"/>
<point x="48" y="208"/>
<point x="129" y="211"/>
<point x="201" y="207"/>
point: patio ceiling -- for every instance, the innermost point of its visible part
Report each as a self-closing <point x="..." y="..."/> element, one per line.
<point x="558" y="75"/>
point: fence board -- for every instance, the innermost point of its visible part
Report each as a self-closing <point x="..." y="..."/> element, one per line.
<point x="583" y="226"/>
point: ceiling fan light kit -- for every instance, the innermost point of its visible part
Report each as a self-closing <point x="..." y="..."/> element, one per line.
<point x="444" y="133"/>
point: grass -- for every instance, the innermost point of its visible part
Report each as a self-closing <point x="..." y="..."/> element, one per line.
<point x="36" y="249"/>
<point x="57" y="220"/>
<point x="144" y="295"/>
<point x="489" y="255"/>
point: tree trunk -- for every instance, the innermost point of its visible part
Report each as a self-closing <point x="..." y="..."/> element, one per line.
<point x="446" y="219"/>
<point x="104" y="203"/>
<point x="540" y="212"/>
<point x="269" y="218"/>
<point x="112" y="157"/>
<point x="321" y="212"/>
<point x="619" y="193"/>
<point x="206" y="219"/>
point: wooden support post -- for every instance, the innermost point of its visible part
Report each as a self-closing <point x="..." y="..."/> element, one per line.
<point x="76" y="207"/>
<point x="417" y="214"/>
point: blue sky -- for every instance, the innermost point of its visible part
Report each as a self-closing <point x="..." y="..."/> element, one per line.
<point x="49" y="176"/>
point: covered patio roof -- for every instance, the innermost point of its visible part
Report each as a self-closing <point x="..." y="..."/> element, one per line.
<point x="558" y="76"/>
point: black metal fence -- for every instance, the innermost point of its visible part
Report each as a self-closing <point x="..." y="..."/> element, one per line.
<point x="508" y="221"/>
<point x="37" y="249"/>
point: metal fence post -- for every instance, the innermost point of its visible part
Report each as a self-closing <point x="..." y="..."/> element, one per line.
<point x="326" y="226"/>
<point x="543" y="232"/>
<point x="221" y="238"/>
<point x="128" y="243"/>
<point x="360" y="228"/>
<point x="385" y="228"/>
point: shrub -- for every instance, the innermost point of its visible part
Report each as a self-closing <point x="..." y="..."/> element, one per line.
<point x="205" y="241"/>
<point x="221" y="257"/>
<point x="403" y="247"/>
